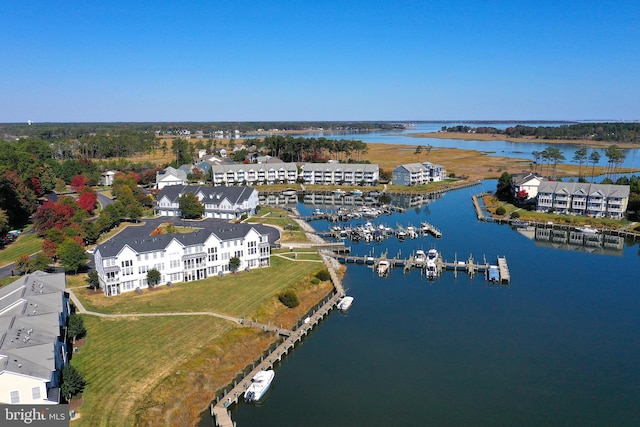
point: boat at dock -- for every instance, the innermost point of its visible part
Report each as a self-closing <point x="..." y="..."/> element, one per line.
<point x="345" y="303"/>
<point x="493" y="273"/>
<point x="587" y="229"/>
<point x="430" y="268"/>
<point x="383" y="268"/>
<point x="420" y="258"/>
<point x="259" y="385"/>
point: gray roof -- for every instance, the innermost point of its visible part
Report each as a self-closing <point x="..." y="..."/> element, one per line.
<point x="365" y="167"/>
<point x="30" y="310"/>
<point x="171" y="171"/>
<point x="235" y="195"/>
<point x="254" y="166"/>
<point x="222" y="229"/>
<point x="607" y="190"/>
<point x="412" y="167"/>
<point x="521" y="178"/>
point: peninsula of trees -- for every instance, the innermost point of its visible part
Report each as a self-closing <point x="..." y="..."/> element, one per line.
<point x="606" y="132"/>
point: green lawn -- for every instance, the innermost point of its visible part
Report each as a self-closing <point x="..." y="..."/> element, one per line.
<point x="26" y="244"/>
<point x="237" y="295"/>
<point x="124" y="359"/>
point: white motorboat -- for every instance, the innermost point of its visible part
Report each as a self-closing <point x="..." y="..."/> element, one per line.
<point x="345" y="303"/>
<point x="430" y="268"/>
<point x="587" y="229"/>
<point x="420" y="258"/>
<point x="259" y="385"/>
<point x="432" y="255"/>
<point x="383" y="268"/>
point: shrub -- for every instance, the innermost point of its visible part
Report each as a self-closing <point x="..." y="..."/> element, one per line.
<point x="315" y="281"/>
<point x="515" y="215"/>
<point x="289" y="298"/>
<point x="323" y="275"/>
<point x="501" y="211"/>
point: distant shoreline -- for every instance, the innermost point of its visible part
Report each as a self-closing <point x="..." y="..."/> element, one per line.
<point x="497" y="137"/>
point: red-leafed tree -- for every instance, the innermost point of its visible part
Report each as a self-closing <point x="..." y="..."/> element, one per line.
<point x="49" y="248"/>
<point x="34" y="183"/>
<point x="522" y="195"/>
<point x="79" y="182"/>
<point x="87" y="200"/>
<point x="52" y="215"/>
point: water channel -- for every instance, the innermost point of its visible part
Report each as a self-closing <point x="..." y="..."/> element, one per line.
<point x="558" y="346"/>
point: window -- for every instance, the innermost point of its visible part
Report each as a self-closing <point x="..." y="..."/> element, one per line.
<point x="15" y="396"/>
<point x="213" y="254"/>
<point x="35" y="393"/>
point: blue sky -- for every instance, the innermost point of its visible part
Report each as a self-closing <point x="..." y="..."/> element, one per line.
<point x="70" y="61"/>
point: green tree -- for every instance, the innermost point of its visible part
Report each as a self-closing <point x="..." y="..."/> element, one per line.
<point x="153" y="277"/>
<point x="234" y="264"/>
<point x="580" y="157"/>
<point x="4" y="222"/>
<point x="40" y="262"/>
<point x="594" y="158"/>
<point x="503" y="187"/>
<point x="418" y="151"/>
<point x="72" y="382"/>
<point x="75" y="328"/>
<point x="93" y="280"/>
<point x="190" y="206"/>
<point x="181" y="151"/>
<point x="72" y="255"/>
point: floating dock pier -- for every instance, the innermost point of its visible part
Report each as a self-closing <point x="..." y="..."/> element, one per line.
<point x="469" y="266"/>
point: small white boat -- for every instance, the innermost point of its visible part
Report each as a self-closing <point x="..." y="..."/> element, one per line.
<point x="338" y="192"/>
<point x="356" y="193"/>
<point x="587" y="229"/>
<point x="259" y="385"/>
<point x="420" y="258"/>
<point x="345" y="303"/>
<point x="383" y="268"/>
<point x="432" y="255"/>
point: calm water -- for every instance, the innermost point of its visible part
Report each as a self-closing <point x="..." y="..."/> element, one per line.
<point x="560" y="346"/>
<point x="521" y="150"/>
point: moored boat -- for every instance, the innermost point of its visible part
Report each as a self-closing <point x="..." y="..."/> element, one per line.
<point x="345" y="303"/>
<point x="383" y="268"/>
<point x="420" y="258"/>
<point x="586" y="229"/>
<point x="259" y="385"/>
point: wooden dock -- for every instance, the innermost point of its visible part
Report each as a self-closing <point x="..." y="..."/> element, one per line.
<point x="469" y="266"/>
<point x="219" y="410"/>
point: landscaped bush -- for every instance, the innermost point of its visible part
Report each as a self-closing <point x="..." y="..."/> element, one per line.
<point x="515" y="215"/>
<point x="501" y="211"/>
<point x="315" y="281"/>
<point x="323" y="275"/>
<point x="289" y="298"/>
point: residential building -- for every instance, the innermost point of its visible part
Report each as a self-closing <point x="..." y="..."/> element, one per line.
<point x="107" y="178"/>
<point x="122" y="264"/>
<point x="219" y="202"/>
<point x="33" y="334"/>
<point x="595" y="200"/>
<point x="418" y="173"/>
<point x="170" y="176"/>
<point x="340" y="173"/>
<point x="527" y="182"/>
<point x="254" y="174"/>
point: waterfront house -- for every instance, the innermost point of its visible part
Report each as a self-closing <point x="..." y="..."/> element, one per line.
<point x="219" y="202"/>
<point x="418" y="173"/>
<point x="122" y="263"/>
<point x="340" y="173"/>
<point x="254" y="174"/>
<point x="527" y="182"/>
<point x="33" y="334"/>
<point x="170" y="176"/>
<point x="576" y="198"/>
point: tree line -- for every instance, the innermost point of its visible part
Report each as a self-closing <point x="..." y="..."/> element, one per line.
<point x="607" y="132"/>
<point x="298" y="149"/>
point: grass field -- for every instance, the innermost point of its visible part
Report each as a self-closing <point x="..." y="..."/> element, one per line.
<point x="25" y="244"/>
<point x="235" y="295"/>
<point x="165" y="370"/>
<point x="124" y="359"/>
